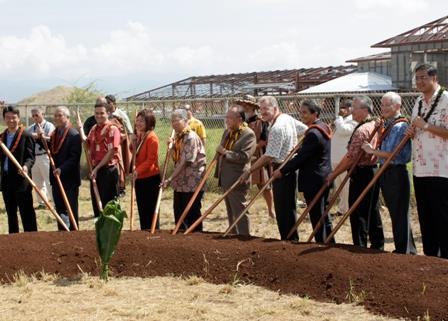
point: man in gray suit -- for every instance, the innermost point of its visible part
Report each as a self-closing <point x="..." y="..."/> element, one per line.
<point x="237" y="146"/>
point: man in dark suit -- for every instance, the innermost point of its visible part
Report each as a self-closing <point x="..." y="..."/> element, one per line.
<point x="65" y="146"/>
<point x="16" y="190"/>
<point x="313" y="161"/>
<point x="237" y="146"/>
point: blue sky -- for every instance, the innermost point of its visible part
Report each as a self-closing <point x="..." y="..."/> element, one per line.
<point x="130" y="46"/>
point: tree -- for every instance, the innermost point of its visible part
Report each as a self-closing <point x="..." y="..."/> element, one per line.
<point x="84" y="95"/>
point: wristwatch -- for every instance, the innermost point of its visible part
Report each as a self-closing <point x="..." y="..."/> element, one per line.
<point x="426" y="126"/>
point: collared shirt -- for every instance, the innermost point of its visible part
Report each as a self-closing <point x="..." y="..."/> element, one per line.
<point x="124" y="117"/>
<point x="102" y="139"/>
<point x="392" y="139"/>
<point x="193" y="152"/>
<point x="344" y="127"/>
<point x="361" y="135"/>
<point x="430" y="152"/>
<point x="9" y="139"/>
<point x="282" y="137"/>
<point x="198" y="127"/>
<point x="47" y="128"/>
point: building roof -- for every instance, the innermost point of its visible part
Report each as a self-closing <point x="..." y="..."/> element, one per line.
<point x="376" y="57"/>
<point x="434" y="31"/>
<point x="354" y="82"/>
<point x="255" y="83"/>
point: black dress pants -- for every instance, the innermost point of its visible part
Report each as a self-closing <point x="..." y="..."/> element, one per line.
<point x="396" y="190"/>
<point x="366" y="219"/>
<point x="316" y="214"/>
<point x="146" y="192"/>
<point x="180" y="202"/>
<point x="432" y="208"/>
<point x="23" y="201"/>
<point x="284" y="190"/>
<point x="72" y="196"/>
<point x="107" y="182"/>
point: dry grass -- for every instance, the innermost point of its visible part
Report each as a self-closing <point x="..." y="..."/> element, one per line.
<point x="44" y="297"/>
<point x="162" y="298"/>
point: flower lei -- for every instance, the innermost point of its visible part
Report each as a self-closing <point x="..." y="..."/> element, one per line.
<point x="18" y="137"/>
<point x="56" y="143"/>
<point x="433" y="105"/>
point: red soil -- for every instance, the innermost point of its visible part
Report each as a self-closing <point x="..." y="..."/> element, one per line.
<point x="393" y="285"/>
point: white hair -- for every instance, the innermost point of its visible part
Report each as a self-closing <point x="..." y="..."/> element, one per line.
<point x="37" y="109"/>
<point x="269" y="100"/>
<point x="393" y="97"/>
<point x="180" y="113"/>
<point x="64" y="110"/>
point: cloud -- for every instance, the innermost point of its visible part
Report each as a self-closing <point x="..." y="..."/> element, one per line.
<point x="40" y="53"/>
<point x="403" y="6"/>
<point x="129" y="50"/>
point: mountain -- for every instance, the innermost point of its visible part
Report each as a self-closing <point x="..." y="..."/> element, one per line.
<point x="56" y="95"/>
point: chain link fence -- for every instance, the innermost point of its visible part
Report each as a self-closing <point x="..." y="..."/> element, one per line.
<point x="211" y="112"/>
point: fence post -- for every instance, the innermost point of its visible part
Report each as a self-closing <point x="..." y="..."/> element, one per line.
<point x="27" y="119"/>
<point x="337" y="101"/>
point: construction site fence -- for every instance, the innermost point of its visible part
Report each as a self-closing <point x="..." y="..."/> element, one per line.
<point x="211" y="112"/>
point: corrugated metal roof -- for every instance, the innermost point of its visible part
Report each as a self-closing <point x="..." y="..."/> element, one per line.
<point x="375" y="57"/>
<point x="434" y="31"/>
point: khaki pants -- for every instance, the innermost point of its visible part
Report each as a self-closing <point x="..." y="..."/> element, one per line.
<point x="342" y="204"/>
<point x="41" y="176"/>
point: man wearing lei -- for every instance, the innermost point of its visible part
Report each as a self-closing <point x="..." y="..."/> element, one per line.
<point x="365" y="220"/>
<point x="104" y="148"/>
<point x="65" y="148"/>
<point x="237" y="146"/>
<point x="16" y="190"/>
<point x="430" y="160"/>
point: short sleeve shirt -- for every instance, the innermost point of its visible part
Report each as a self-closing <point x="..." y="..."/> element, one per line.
<point x="430" y="152"/>
<point x="392" y="139"/>
<point x="360" y="136"/>
<point x="47" y="128"/>
<point x="282" y="137"/>
<point x="198" y="127"/>
<point x="193" y="152"/>
<point x="103" y="138"/>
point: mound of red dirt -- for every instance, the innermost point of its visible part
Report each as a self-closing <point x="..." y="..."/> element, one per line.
<point x="390" y="284"/>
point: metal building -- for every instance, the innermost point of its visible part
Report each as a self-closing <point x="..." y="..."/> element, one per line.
<point x="427" y="43"/>
<point x="278" y="82"/>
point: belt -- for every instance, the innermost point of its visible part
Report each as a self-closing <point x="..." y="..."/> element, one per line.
<point x="367" y="166"/>
<point x="40" y="154"/>
<point x="276" y="165"/>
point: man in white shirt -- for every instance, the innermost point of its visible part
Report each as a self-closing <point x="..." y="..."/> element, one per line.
<point x="283" y="137"/>
<point x="343" y="129"/>
<point x="430" y="160"/>
<point x="41" y="129"/>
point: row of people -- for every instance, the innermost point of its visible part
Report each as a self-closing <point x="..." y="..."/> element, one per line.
<point x="238" y="160"/>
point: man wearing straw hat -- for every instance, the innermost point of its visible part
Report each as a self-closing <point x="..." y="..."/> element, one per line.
<point x="260" y="129"/>
<point x="65" y="148"/>
<point x="16" y="190"/>
<point x="237" y="146"/>
<point x="283" y="137"/>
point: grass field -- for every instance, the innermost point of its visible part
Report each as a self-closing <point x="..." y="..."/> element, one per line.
<point x="48" y="297"/>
